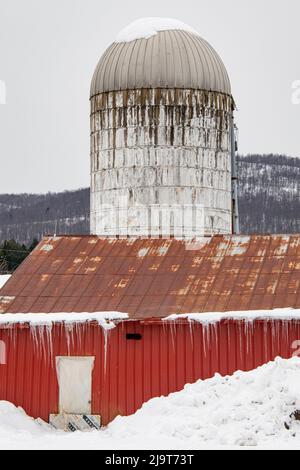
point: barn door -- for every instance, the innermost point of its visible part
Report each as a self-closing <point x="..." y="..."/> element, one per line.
<point x="75" y="384"/>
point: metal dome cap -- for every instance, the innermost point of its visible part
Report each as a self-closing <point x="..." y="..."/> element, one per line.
<point x="160" y="53"/>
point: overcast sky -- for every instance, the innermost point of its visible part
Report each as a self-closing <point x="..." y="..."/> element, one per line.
<point x="49" y="49"/>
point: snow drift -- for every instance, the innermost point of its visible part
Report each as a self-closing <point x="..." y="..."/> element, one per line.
<point x="246" y="409"/>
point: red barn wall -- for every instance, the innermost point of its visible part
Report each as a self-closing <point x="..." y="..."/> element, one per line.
<point x="166" y="358"/>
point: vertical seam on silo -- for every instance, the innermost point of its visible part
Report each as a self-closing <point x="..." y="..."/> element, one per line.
<point x="112" y="68"/>
<point x="94" y="84"/>
<point x="172" y="56"/>
<point x="127" y="86"/>
<point x="180" y="61"/>
<point x="191" y="47"/>
<point x="166" y="81"/>
<point x="220" y="86"/>
<point x="137" y="80"/>
<point x="106" y="71"/>
<point x="213" y="65"/>
<point x="102" y="70"/>
<point x="144" y="60"/>
<point x="118" y="80"/>
<point x="197" y="41"/>
<point x="159" y="71"/>
<point x="153" y="61"/>
<point x="99" y="72"/>
<point x="183" y="45"/>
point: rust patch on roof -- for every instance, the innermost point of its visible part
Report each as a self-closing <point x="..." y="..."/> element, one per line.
<point x="153" y="278"/>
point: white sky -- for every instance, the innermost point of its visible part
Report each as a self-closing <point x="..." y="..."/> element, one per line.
<point x="49" y="49"/>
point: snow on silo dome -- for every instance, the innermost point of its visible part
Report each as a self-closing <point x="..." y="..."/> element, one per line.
<point x="160" y="53"/>
<point x="145" y="28"/>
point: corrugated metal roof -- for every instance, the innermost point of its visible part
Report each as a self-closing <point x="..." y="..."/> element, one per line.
<point x="153" y="278"/>
<point x="170" y="59"/>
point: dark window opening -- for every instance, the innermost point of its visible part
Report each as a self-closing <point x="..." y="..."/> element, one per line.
<point x="134" y="336"/>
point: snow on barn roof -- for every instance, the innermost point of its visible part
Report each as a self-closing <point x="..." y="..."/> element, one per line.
<point x="155" y="278"/>
<point x="160" y="53"/>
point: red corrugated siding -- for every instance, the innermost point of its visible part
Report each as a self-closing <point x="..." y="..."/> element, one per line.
<point x="167" y="357"/>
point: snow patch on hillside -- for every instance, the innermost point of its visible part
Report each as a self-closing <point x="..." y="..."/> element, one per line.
<point x="246" y="409"/>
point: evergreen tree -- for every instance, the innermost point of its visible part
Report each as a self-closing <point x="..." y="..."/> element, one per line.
<point x="12" y="254"/>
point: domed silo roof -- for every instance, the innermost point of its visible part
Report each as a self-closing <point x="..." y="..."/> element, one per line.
<point x="160" y="53"/>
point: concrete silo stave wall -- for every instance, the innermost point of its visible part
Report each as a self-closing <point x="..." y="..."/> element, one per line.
<point x="161" y="162"/>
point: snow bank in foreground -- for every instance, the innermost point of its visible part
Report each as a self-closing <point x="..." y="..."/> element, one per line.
<point x="148" y="27"/>
<point x="3" y="279"/>
<point x="247" y="409"/>
<point x="14" y="420"/>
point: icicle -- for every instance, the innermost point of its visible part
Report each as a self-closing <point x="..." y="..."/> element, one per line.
<point x="48" y="329"/>
<point x="191" y="328"/>
<point x="273" y="334"/>
<point x="247" y="325"/>
<point x="12" y="335"/>
<point x="206" y="337"/>
<point x="69" y="335"/>
<point x="41" y="339"/>
<point x="34" y="337"/>
<point x="173" y="328"/>
<point x="285" y="330"/>
<point x="277" y="332"/>
<point x="215" y="327"/>
<point x="78" y="335"/>
<point x="265" y="339"/>
<point x="240" y="341"/>
<point x="105" y="336"/>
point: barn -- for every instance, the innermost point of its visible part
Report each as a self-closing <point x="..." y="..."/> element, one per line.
<point x="165" y="290"/>
<point x="157" y="314"/>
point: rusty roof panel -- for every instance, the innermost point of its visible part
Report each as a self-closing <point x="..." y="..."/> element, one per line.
<point x="150" y="278"/>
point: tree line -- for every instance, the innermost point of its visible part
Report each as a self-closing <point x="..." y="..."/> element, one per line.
<point x="12" y="254"/>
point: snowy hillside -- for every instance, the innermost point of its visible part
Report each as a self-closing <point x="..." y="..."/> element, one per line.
<point x="269" y="189"/>
<point x="247" y="409"/>
<point x="24" y="217"/>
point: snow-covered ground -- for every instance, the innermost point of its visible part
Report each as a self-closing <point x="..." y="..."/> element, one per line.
<point x="3" y="279"/>
<point x="247" y="409"/>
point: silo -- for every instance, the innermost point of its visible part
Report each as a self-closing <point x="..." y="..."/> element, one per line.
<point x="161" y="135"/>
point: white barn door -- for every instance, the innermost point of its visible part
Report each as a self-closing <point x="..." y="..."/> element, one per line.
<point x="75" y="384"/>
